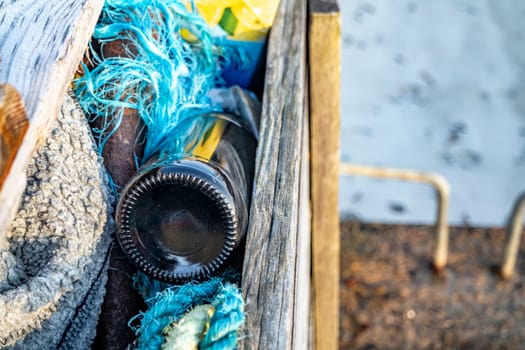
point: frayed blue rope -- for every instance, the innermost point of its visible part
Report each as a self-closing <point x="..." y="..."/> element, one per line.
<point x="166" y="77"/>
<point x="227" y="320"/>
<point x="168" y="304"/>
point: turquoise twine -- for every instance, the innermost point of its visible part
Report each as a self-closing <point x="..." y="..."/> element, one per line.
<point x="171" y="303"/>
<point x="226" y="321"/>
<point x="166" y="78"/>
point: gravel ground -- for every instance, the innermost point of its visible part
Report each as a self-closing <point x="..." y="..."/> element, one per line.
<point x="391" y="299"/>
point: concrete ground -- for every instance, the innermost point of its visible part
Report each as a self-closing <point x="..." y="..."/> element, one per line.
<point x="434" y="85"/>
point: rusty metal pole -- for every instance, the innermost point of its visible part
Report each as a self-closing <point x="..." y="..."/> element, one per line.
<point x="440" y="185"/>
<point x="515" y="230"/>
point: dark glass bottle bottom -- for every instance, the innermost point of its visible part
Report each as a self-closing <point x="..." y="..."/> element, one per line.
<point x="178" y="222"/>
<point x="179" y="225"/>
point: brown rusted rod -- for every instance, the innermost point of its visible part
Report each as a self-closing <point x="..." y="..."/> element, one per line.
<point x="515" y="230"/>
<point x="438" y="182"/>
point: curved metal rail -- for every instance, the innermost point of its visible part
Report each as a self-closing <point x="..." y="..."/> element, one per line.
<point x="440" y="185"/>
<point x="515" y="230"/>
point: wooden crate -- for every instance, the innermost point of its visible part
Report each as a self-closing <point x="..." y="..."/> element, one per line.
<point x="41" y="45"/>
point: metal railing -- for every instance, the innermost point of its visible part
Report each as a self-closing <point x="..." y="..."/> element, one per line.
<point x="515" y="230"/>
<point x="440" y="185"/>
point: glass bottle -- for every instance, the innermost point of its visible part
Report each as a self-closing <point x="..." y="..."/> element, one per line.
<point x="180" y="217"/>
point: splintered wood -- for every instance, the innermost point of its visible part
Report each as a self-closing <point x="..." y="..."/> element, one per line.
<point x="41" y="45"/>
<point x="13" y="126"/>
<point x="275" y="278"/>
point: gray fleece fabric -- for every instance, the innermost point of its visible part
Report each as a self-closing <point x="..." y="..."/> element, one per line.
<point x="53" y="259"/>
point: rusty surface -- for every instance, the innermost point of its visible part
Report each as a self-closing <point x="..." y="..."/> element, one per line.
<point x="120" y="150"/>
<point x="122" y="301"/>
<point x="13" y="127"/>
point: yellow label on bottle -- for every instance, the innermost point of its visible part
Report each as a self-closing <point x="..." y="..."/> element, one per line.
<point x="209" y="141"/>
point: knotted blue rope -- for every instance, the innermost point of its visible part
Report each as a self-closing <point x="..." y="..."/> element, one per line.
<point x="226" y="321"/>
<point x="170" y="304"/>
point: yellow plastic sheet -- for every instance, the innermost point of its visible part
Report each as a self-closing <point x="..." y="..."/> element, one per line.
<point x="242" y="19"/>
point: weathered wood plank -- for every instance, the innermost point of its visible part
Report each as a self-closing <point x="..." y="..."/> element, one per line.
<point x="41" y="44"/>
<point x="301" y="332"/>
<point x="273" y="276"/>
<point x="325" y="71"/>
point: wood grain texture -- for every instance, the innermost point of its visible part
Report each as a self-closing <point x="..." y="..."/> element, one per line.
<point x="325" y="72"/>
<point x="13" y="127"/>
<point x="41" y="44"/>
<point x="274" y="278"/>
<point x="302" y="316"/>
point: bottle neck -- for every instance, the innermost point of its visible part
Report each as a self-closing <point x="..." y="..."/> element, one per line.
<point x="224" y="141"/>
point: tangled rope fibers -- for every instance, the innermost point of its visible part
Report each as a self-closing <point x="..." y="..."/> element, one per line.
<point x="170" y="65"/>
<point x="205" y="315"/>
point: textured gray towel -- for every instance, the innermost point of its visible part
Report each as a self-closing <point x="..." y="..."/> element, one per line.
<point x="53" y="259"/>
